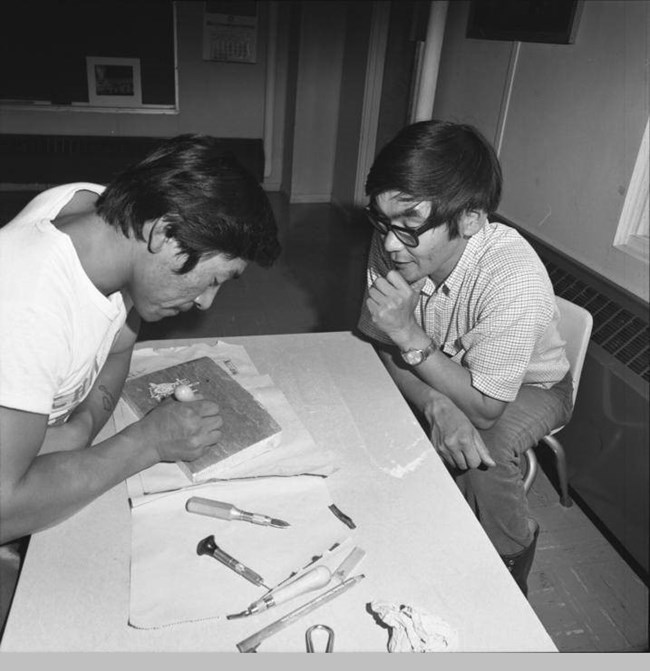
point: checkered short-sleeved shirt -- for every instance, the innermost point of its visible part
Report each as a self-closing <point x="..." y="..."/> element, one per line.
<point x="495" y="314"/>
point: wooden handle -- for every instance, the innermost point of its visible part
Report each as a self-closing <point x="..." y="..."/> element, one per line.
<point x="315" y="579"/>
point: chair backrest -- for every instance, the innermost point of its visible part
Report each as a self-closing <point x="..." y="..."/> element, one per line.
<point x="575" y="328"/>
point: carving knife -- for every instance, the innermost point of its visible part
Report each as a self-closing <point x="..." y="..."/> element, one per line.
<point x="310" y="581"/>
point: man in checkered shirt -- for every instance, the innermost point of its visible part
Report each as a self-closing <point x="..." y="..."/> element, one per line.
<point x="462" y="313"/>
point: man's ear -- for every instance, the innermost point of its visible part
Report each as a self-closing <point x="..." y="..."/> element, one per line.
<point x="156" y="234"/>
<point x="471" y="223"/>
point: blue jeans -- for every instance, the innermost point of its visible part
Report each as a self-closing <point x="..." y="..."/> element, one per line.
<point x="496" y="495"/>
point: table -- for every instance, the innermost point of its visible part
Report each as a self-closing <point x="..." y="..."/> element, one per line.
<point x="424" y="546"/>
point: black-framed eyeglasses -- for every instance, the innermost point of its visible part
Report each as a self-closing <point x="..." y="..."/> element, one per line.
<point x="407" y="236"/>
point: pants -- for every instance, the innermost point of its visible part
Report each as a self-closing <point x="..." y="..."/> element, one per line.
<point x="496" y="495"/>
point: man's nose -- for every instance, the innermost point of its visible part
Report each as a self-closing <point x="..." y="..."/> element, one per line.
<point x="204" y="300"/>
<point x="392" y="243"/>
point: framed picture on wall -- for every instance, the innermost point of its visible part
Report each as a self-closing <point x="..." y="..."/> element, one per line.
<point x="553" y="21"/>
<point x="114" y="82"/>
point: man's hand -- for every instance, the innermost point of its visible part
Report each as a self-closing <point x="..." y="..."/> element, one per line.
<point x="454" y="437"/>
<point x="391" y="302"/>
<point x="181" y="430"/>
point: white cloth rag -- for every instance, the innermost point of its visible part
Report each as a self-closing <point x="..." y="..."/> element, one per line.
<point x="415" y="630"/>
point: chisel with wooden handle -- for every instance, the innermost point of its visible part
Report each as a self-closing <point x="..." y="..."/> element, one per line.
<point x="226" y="511"/>
<point x="310" y="581"/>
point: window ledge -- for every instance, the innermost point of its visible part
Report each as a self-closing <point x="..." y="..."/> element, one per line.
<point x="637" y="247"/>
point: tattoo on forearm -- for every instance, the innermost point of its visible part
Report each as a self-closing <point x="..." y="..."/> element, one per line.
<point x="108" y="400"/>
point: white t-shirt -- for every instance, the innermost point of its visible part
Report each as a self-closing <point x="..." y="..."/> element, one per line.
<point x="56" y="328"/>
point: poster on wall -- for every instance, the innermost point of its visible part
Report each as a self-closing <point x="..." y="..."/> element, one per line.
<point x="230" y="32"/>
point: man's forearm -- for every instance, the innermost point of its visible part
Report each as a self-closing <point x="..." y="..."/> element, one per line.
<point x="452" y="433"/>
<point x="414" y="390"/>
<point x="103" y="397"/>
<point x="59" y="484"/>
<point x="438" y="377"/>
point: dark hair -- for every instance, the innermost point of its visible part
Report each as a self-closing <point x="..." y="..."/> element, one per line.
<point x="451" y="165"/>
<point x="210" y="203"/>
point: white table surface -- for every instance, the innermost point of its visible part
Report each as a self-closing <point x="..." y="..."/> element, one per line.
<point x="424" y="546"/>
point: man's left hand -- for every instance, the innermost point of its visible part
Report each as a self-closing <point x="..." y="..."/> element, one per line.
<point x="454" y="437"/>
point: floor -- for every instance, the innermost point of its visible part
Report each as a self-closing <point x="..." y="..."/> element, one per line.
<point x="585" y="594"/>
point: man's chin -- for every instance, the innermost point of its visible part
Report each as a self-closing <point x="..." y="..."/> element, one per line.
<point x="155" y="316"/>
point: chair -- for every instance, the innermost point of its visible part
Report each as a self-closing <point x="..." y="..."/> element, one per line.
<point x="575" y="329"/>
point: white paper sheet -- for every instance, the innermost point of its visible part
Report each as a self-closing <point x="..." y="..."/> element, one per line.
<point x="171" y="583"/>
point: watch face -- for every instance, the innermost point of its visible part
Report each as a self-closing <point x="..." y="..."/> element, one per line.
<point x="413" y="356"/>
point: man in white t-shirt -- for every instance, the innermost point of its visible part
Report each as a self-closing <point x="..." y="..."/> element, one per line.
<point x="463" y="316"/>
<point x="80" y="266"/>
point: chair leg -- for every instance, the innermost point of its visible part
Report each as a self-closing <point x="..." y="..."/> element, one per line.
<point x="531" y="470"/>
<point x="560" y="460"/>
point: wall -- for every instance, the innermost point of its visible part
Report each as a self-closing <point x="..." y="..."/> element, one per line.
<point x="289" y="119"/>
<point x="571" y="131"/>
<point x="317" y="100"/>
<point x="227" y="100"/>
<point x="355" y="63"/>
<point x="220" y="99"/>
<point x="408" y="27"/>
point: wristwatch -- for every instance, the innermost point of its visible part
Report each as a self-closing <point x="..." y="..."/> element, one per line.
<point x="414" y="357"/>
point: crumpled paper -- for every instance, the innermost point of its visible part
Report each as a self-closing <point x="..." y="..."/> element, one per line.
<point x="415" y="630"/>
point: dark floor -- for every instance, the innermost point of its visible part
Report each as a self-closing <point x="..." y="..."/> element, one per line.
<point x="584" y="593"/>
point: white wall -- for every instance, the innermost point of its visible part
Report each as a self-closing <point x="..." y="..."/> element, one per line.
<point x="221" y="99"/>
<point x="572" y="130"/>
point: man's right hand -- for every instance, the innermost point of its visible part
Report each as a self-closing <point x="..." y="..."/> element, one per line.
<point x="454" y="437"/>
<point x="181" y="431"/>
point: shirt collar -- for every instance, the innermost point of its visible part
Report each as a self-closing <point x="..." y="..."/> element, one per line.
<point x="455" y="277"/>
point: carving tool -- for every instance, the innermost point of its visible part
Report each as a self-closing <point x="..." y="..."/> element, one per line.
<point x="348" y="564"/>
<point x="208" y="546"/>
<point x="226" y="511"/>
<point x="308" y="582"/>
<point x="342" y="516"/>
<point x="251" y="643"/>
<point x="315" y="579"/>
